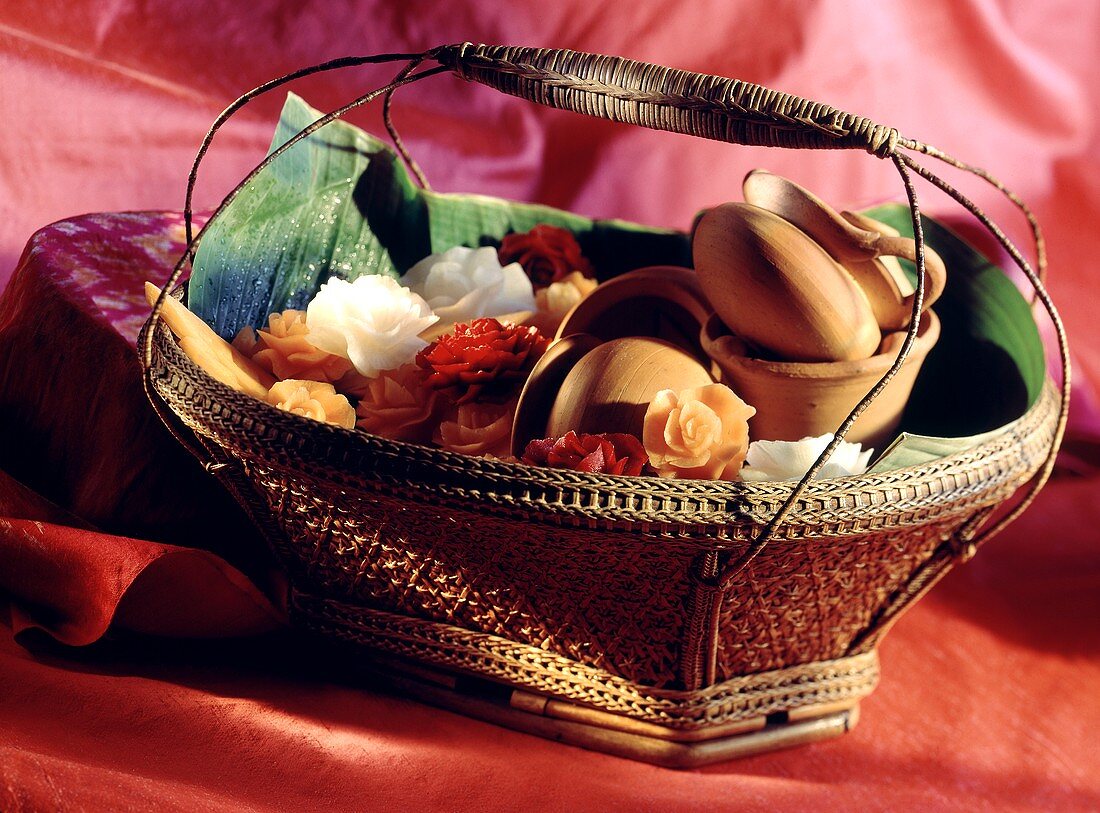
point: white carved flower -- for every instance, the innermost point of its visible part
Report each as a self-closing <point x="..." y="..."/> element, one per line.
<point x="373" y="322"/>
<point x="463" y="284"/>
<point x="790" y="460"/>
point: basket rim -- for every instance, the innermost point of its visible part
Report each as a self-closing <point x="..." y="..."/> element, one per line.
<point x="250" y="431"/>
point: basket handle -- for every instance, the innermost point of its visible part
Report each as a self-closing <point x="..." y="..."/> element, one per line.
<point x="662" y="98"/>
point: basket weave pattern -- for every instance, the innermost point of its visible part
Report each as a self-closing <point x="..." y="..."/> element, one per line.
<point x="740" y="698"/>
<point x="549" y="587"/>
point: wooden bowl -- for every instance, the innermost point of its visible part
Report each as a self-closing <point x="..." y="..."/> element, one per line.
<point x="610" y="387"/>
<point x="795" y="400"/>
<point x="542" y="386"/>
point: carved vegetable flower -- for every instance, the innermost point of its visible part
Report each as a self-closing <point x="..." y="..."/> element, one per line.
<point x="284" y="350"/>
<point x="479" y="429"/>
<point x="613" y="453"/>
<point x="462" y="284"/>
<point x="313" y="399"/>
<point x="485" y="352"/>
<point x="557" y="299"/>
<point x="548" y="254"/>
<point x="398" y="404"/>
<point x="373" y="322"/>
<point x="700" y="433"/>
<point x="790" y="460"/>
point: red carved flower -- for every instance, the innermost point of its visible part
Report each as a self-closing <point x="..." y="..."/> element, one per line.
<point x="481" y="353"/>
<point x="548" y="254"/>
<point x="612" y="453"/>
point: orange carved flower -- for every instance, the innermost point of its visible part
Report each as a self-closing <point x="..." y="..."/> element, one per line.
<point x="399" y="405"/>
<point x="483" y="428"/>
<point x="283" y="349"/>
<point x="313" y="399"/>
<point x="700" y="433"/>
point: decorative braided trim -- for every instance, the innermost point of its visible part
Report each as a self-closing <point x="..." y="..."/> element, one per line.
<point x="534" y="669"/>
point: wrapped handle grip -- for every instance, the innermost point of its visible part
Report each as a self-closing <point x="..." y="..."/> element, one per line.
<point x="661" y="98"/>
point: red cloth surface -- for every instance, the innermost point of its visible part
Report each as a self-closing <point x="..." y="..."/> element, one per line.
<point x="990" y="696"/>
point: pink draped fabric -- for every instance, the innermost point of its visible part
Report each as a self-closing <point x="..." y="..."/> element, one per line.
<point x="990" y="696"/>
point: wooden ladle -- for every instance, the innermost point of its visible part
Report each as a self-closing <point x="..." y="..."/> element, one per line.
<point x="865" y="247"/>
<point x="775" y="287"/>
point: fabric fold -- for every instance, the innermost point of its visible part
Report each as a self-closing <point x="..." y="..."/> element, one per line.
<point x="71" y="581"/>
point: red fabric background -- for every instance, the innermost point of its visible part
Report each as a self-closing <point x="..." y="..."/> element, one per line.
<point x="990" y="688"/>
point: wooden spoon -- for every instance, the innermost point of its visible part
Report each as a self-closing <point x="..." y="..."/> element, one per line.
<point x="777" y="288"/>
<point x="865" y="247"/>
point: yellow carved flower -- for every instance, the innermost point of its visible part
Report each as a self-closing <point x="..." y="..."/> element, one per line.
<point x="700" y="433"/>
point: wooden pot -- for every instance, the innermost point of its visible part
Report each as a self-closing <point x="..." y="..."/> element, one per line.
<point x="795" y="400"/>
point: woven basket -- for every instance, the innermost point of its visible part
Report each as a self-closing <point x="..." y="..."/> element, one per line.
<point x="676" y="621"/>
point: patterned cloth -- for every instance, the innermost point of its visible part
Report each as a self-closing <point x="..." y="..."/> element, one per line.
<point x="100" y="262"/>
<point x="97" y="502"/>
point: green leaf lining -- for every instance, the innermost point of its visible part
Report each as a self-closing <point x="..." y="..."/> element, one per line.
<point x="989" y="366"/>
<point x="340" y="203"/>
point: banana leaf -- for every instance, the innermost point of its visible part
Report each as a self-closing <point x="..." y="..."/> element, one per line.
<point x="340" y="203"/>
<point x="989" y="365"/>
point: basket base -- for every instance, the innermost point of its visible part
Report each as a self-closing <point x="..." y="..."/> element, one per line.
<point x="611" y="733"/>
<point x="530" y="689"/>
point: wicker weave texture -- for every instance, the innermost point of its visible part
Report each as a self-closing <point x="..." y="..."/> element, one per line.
<point x="664" y="98"/>
<point x="610" y="600"/>
<point x="816" y="596"/>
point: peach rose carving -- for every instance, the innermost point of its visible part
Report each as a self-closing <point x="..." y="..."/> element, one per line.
<point x="399" y="405"/>
<point x="283" y="349"/>
<point x="318" y="400"/>
<point x="553" y="302"/>
<point x="478" y="428"/>
<point x="700" y="433"/>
